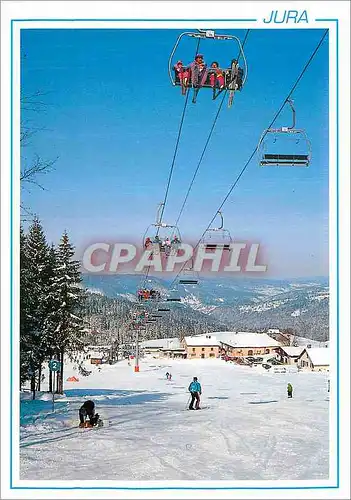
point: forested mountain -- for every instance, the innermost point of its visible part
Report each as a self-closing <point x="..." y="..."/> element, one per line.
<point x="215" y="304"/>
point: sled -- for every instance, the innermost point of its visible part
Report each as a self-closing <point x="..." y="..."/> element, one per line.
<point x="87" y="425"/>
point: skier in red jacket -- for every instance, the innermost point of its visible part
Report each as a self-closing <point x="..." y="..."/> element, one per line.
<point x="181" y="75"/>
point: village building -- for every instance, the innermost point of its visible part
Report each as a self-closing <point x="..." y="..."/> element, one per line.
<point x="243" y="344"/>
<point x="316" y="359"/>
<point x="97" y="354"/>
<point x="289" y="355"/>
<point x="161" y="348"/>
<point x="284" y="339"/>
<point x="202" y="346"/>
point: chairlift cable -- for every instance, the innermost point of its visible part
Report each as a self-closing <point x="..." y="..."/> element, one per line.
<point x="256" y="148"/>
<point x="201" y="158"/>
<point x="241" y="53"/>
<point x="208" y="140"/>
<point x="176" y="149"/>
<point x="270" y="126"/>
<point x="172" y="165"/>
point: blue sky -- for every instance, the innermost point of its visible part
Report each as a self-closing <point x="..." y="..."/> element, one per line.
<point x="112" y="117"/>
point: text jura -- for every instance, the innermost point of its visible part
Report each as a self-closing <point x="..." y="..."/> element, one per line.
<point x="287" y="16"/>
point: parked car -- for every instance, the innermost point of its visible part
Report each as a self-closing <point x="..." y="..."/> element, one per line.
<point x="266" y="366"/>
<point x="273" y="361"/>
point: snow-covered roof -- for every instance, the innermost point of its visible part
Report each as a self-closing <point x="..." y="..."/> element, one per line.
<point x="248" y="339"/>
<point x="293" y="351"/>
<point x="173" y="344"/>
<point x="203" y="340"/>
<point x="319" y="356"/>
<point x="303" y="341"/>
<point x="213" y="334"/>
<point x="98" y="347"/>
<point x="160" y="343"/>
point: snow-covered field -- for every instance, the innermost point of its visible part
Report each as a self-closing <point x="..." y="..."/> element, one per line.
<point x="247" y="429"/>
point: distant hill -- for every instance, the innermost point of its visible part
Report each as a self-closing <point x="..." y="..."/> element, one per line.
<point x="300" y="304"/>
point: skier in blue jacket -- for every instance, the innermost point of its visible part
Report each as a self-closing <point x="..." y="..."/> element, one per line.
<point x="195" y="391"/>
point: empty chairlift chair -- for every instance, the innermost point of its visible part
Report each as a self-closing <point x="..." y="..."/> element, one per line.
<point x="173" y="295"/>
<point x="285" y="146"/>
<point x="217" y="237"/>
<point x="188" y="276"/>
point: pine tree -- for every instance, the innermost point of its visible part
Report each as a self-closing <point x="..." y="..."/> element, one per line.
<point x="25" y="315"/>
<point x="66" y="300"/>
<point x="34" y="288"/>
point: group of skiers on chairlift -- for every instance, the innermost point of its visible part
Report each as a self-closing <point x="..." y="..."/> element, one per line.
<point x="148" y="294"/>
<point x="197" y="75"/>
<point x="163" y="245"/>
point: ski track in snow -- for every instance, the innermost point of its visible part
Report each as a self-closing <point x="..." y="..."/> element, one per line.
<point x="249" y="431"/>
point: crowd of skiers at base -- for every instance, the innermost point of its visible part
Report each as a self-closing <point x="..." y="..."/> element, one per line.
<point x="146" y="294"/>
<point x="87" y="410"/>
<point x="164" y="245"/>
<point x="197" y="74"/>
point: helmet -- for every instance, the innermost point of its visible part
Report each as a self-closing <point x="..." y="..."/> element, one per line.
<point x="198" y="55"/>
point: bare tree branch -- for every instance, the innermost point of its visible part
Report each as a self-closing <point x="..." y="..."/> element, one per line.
<point x="26" y="214"/>
<point x="39" y="166"/>
<point x="31" y="169"/>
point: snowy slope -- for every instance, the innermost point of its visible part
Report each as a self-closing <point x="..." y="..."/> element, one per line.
<point x="248" y="428"/>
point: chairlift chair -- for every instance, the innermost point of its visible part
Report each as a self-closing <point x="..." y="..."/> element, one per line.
<point x="173" y="295"/>
<point x="271" y="155"/>
<point x="152" y="289"/>
<point x="188" y="276"/>
<point x="234" y="76"/>
<point x="217" y="237"/>
<point x="162" y="231"/>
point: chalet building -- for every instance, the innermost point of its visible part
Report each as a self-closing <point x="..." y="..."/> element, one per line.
<point x="316" y="359"/>
<point x="202" y="346"/>
<point x="97" y="354"/>
<point x="284" y="339"/>
<point x="243" y="344"/>
<point x="163" y="348"/>
<point x="289" y="355"/>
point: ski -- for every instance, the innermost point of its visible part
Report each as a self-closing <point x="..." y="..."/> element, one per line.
<point x="202" y="408"/>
